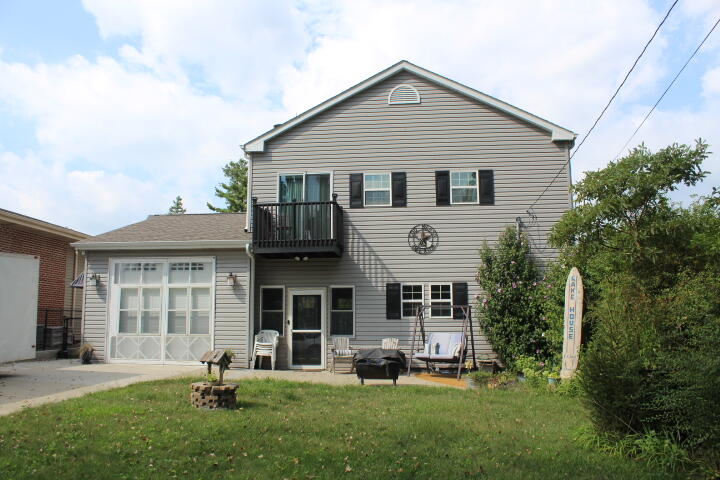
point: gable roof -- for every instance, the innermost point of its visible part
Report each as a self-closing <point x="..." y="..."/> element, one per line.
<point x="558" y="133"/>
<point x="182" y="231"/>
<point x="41" y="226"/>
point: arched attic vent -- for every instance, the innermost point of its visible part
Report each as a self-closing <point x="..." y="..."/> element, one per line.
<point x="403" y="94"/>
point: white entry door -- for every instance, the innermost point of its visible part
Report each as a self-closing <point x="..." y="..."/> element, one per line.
<point x="306" y="322"/>
<point x="161" y="309"/>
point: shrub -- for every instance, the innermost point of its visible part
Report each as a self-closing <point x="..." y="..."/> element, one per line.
<point x="653" y="363"/>
<point x="510" y="312"/>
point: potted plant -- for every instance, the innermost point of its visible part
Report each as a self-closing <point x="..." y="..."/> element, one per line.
<point x="85" y="353"/>
<point x="553" y="378"/>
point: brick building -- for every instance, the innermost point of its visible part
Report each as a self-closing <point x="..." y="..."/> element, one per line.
<point x="59" y="264"/>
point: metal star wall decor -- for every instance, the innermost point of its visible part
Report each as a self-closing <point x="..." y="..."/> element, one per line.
<point x="423" y="239"/>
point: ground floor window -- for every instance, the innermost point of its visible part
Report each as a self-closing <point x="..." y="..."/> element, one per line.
<point x="272" y="308"/>
<point x="412" y="299"/>
<point x="441" y="300"/>
<point x="161" y="309"/>
<point x="342" y="311"/>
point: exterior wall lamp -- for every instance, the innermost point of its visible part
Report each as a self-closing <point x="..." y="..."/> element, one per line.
<point x="231" y="279"/>
<point x="93" y="280"/>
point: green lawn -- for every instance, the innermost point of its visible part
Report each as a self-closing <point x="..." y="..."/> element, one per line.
<point x="294" y="430"/>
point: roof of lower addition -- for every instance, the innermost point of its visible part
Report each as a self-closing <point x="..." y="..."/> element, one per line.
<point x="181" y="231"/>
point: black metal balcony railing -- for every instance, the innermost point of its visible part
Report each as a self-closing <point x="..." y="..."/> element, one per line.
<point x="286" y="230"/>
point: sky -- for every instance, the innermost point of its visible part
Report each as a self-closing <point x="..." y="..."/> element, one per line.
<point x="109" y="109"/>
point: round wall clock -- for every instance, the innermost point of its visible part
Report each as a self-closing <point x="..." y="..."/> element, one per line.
<point x="423" y="239"/>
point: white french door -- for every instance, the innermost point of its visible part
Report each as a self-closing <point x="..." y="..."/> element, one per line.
<point x="161" y="309"/>
<point x="306" y="328"/>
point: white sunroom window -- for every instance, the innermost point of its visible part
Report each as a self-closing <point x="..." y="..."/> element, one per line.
<point x="463" y="187"/>
<point x="163" y="309"/>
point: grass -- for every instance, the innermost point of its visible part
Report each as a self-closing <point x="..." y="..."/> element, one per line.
<point x="295" y="430"/>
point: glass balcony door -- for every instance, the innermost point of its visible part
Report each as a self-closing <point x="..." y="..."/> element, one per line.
<point x="304" y="222"/>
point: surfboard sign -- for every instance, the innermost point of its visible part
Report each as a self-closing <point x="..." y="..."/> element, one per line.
<point x="573" y="323"/>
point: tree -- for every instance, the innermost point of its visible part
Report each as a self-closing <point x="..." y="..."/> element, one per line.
<point x="177" y="207"/>
<point x="234" y="192"/>
<point x="651" y="364"/>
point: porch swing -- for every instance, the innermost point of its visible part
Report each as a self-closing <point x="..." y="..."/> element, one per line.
<point x="444" y="347"/>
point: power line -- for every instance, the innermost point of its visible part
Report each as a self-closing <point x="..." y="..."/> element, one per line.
<point x="666" y="90"/>
<point x="607" y="105"/>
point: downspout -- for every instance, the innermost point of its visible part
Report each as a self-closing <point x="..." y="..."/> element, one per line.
<point x="251" y="302"/>
<point x="248" y="158"/>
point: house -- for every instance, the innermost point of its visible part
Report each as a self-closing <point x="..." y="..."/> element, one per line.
<point x="361" y="209"/>
<point x="59" y="264"/>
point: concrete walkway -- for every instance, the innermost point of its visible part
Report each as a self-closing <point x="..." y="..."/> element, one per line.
<point x="28" y="384"/>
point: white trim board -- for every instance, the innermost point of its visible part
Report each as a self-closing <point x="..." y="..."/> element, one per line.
<point x="557" y="132"/>
<point x="162" y="245"/>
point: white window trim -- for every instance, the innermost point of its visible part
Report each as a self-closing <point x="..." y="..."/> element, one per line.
<point x="477" y="187"/>
<point x="389" y="189"/>
<point x="330" y="309"/>
<point x="304" y="175"/>
<point x="438" y="300"/>
<point x="114" y="294"/>
<point x="403" y="301"/>
<point x="280" y="287"/>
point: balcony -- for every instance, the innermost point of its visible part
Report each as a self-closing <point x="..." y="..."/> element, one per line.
<point x="301" y="229"/>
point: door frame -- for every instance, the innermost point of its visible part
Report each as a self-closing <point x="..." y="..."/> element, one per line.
<point x="291" y="292"/>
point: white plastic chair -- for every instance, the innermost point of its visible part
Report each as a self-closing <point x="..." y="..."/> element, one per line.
<point x="266" y="342"/>
<point x="390" y="343"/>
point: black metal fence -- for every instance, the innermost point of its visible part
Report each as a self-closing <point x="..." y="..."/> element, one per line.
<point x="301" y="224"/>
<point x="58" y="329"/>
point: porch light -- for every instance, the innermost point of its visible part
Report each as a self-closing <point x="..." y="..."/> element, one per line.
<point x="93" y="280"/>
<point x="231" y="279"/>
<point x="297" y="259"/>
<point x="305" y="259"/>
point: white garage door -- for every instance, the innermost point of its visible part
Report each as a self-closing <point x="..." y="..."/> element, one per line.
<point x="161" y="309"/>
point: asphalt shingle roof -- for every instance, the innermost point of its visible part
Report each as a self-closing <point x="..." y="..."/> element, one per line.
<point x="185" y="227"/>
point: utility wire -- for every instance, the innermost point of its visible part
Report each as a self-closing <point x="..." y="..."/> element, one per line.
<point x="607" y="105"/>
<point x="666" y="90"/>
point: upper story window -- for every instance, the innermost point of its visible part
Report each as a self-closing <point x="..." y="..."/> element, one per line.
<point x="377" y="189"/>
<point x="463" y="187"/>
<point x="304" y="187"/>
<point x="403" y="94"/>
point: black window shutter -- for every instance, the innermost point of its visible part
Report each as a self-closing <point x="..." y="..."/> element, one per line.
<point x="399" y="189"/>
<point x="392" y="301"/>
<point x="460" y="297"/>
<point x="356" y="190"/>
<point x="442" y="187"/>
<point x="487" y="187"/>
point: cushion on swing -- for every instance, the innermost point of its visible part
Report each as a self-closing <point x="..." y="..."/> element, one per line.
<point x="442" y="347"/>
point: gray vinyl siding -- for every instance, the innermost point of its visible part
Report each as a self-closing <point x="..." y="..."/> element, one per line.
<point x="447" y="131"/>
<point x="231" y="303"/>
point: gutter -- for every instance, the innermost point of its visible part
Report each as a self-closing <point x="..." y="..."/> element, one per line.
<point x="160" y="245"/>
<point x="251" y="302"/>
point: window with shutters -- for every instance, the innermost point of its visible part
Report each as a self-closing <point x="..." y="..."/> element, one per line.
<point x="411" y="299"/>
<point x="377" y="189"/>
<point x="463" y="187"/>
<point x="403" y="94"/>
<point x="441" y="300"/>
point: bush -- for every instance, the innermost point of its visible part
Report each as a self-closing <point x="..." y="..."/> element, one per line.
<point x="653" y="364"/>
<point x="510" y="312"/>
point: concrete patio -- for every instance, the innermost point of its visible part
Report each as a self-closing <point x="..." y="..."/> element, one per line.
<point x="28" y="384"/>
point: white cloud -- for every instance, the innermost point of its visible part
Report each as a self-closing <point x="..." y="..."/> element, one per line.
<point x="193" y="80"/>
